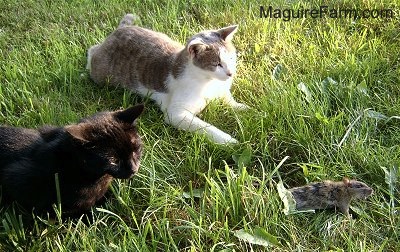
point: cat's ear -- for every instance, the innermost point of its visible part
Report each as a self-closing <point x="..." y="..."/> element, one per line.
<point x="129" y="115"/>
<point x="195" y="46"/>
<point x="228" y="32"/>
<point x="77" y="131"/>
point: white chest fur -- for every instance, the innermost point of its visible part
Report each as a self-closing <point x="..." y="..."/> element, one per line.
<point x="194" y="90"/>
<point x="188" y="95"/>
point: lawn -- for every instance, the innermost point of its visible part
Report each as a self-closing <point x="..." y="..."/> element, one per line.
<point x="325" y="103"/>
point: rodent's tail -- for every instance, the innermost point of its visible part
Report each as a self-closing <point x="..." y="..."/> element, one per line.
<point x="127" y="20"/>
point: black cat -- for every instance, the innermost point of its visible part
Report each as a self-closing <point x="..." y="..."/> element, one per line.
<point x="85" y="157"/>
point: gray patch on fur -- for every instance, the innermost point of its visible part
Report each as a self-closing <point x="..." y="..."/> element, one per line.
<point x="133" y="55"/>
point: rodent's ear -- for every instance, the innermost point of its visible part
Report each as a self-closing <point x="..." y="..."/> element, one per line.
<point x="346" y="181"/>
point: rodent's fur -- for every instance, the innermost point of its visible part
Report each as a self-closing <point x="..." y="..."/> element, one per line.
<point x="330" y="194"/>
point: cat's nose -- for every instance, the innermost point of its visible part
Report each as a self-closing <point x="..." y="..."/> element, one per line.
<point x="229" y="74"/>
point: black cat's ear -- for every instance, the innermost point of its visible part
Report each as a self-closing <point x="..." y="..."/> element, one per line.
<point x="77" y="131"/>
<point x="228" y="32"/>
<point x="195" y="46"/>
<point x="129" y="115"/>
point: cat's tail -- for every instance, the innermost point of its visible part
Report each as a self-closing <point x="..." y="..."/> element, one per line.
<point x="127" y="20"/>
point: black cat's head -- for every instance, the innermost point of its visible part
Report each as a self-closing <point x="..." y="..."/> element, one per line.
<point x="110" y="142"/>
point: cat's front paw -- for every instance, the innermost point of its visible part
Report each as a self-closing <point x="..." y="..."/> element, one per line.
<point x="226" y="139"/>
<point x="232" y="141"/>
<point x="240" y="106"/>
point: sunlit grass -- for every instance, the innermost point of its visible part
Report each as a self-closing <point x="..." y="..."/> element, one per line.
<point x="324" y="92"/>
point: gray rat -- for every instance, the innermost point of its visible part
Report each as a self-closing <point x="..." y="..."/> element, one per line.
<point x="330" y="194"/>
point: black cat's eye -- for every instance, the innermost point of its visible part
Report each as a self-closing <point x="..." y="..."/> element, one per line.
<point x="114" y="161"/>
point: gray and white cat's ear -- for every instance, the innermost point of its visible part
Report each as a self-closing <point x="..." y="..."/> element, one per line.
<point x="195" y="46"/>
<point x="129" y="115"/>
<point x="228" y="32"/>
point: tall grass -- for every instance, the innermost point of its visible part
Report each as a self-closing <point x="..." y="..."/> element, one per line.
<point x="324" y="92"/>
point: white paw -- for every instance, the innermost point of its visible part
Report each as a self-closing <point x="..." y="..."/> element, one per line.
<point x="232" y="141"/>
<point x="224" y="139"/>
<point x="240" y="106"/>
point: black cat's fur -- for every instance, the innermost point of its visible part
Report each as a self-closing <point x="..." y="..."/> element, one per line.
<point x="85" y="156"/>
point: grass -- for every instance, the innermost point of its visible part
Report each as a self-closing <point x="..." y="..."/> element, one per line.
<point x="193" y="195"/>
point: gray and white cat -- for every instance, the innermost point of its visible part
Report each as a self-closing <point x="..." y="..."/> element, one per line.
<point x="182" y="80"/>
